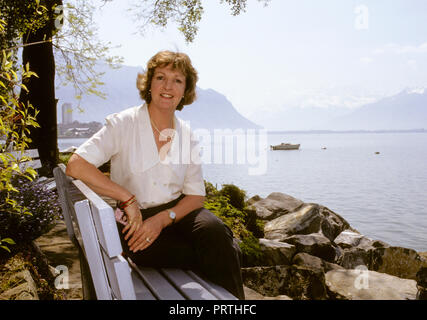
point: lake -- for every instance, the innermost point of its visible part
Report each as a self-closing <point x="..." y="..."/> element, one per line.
<point x="383" y="196"/>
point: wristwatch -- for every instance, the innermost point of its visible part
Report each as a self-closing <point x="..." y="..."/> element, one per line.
<point x="172" y="215"/>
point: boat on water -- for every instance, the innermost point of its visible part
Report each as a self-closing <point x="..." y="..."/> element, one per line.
<point x="285" y="146"/>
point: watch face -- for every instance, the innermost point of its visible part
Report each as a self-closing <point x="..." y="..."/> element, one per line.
<point x="172" y="215"/>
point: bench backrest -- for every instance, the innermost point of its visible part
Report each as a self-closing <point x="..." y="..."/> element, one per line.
<point x="63" y="183"/>
<point x="110" y="271"/>
<point x="91" y="225"/>
<point x="33" y="161"/>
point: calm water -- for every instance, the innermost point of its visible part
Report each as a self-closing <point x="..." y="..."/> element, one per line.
<point x="384" y="196"/>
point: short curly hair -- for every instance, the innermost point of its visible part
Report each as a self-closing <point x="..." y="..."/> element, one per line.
<point x="179" y="61"/>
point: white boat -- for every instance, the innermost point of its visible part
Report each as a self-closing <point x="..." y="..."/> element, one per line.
<point x="285" y="146"/>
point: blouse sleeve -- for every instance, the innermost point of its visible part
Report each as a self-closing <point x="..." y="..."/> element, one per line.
<point x="102" y="145"/>
<point x="193" y="181"/>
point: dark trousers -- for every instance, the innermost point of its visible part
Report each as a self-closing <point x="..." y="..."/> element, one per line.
<point x="200" y="242"/>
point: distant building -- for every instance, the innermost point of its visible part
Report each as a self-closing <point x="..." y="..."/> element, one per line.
<point x="67" y="113"/>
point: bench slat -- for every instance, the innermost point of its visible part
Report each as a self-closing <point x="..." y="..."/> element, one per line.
<point x="103" y="216"/>
<point x="159" y="286"/>
<point x="35" y="164"/>
<point x="32" y="153"/>
<point x="119" y="276"/>
<point x="62" y="185"/>
<point x="92" y="250"/>
<point x="141" y="290"/>
<point x="187" y="285"/>
<point x="216" y="290"/>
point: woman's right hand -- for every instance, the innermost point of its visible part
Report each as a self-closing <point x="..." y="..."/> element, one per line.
<point x="134" y="219"/>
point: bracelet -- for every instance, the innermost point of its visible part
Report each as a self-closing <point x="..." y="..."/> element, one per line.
<point x="127" y="203"/>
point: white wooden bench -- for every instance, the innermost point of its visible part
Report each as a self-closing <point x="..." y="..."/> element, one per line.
<point x="106" y="274"/>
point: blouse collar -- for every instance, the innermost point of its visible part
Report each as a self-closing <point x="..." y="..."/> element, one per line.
<point x="150" y="154"/>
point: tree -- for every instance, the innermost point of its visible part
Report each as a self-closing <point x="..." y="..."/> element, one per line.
<point x="79" y="51"/>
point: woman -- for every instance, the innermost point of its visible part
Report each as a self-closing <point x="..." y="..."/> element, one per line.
<point x="157" y="179"/>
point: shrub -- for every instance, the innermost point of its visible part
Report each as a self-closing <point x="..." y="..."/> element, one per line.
<point x="40" y="208"/>
<point x="235" y="194"/>
<point x="228" y="204"/>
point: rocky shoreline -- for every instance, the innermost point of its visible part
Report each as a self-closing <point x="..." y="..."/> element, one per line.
<point x="310" y="252"/>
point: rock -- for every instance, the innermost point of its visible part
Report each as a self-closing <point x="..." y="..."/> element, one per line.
<point x="275" y="205"/>
<point x="276" y="252"/>
<point x="310" y="218"/>
<point x="396" y="261"/>
<point x="315" y="244"/>
<point x="307" y="260"/>
<point x="25" y="289"/>
<point x="253" y="295"/>
<point x="368" y="285"/>
<point x="348" y="239"/>
<point x="422" y="284"/>
<point x="355" y="257"/>
<point x="253" y="199"/>
<point x="294" y="281"/>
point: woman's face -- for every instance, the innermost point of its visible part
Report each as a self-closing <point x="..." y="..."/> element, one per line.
<point x="167" y="87"/>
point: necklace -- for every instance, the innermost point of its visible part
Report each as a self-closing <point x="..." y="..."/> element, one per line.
<point x="160" y="133"/>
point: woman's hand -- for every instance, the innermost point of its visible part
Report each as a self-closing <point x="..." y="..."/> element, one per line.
<point x="134" y="219"/>
<point x="147" y="233"/>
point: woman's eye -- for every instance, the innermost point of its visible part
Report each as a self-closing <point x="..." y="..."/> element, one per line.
<point x="159" y="77"/>
<point x="179" y="80"/>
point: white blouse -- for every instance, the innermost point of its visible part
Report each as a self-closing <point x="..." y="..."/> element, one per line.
<point x="127" y="139"/>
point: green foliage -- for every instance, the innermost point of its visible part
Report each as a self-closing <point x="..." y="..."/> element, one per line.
<point x="64" y="157"/>
<point x="235" y="195"/>
<point x="15" y="121"/>
<point x="185" y="13"/>
<point x="5" y="241"/>
<point x="229" y="205"/>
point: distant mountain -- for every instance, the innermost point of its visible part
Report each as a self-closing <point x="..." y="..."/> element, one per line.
<point x="210" y="110"/>
<point x="404" y="111"/>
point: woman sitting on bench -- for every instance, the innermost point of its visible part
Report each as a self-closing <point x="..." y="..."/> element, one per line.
<point x="156" y="177"/>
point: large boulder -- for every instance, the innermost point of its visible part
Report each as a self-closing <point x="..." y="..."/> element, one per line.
<point x="397" y="261"/>
<point x="315" y="244"/>
<point x="307" y="260"/>
<point x="310" y="218"/>
<point x="251" y="294"/>
<point x="348" y="239"/>
<point x="276" y="252"/>
<point x="364" y="284"/>
<point x="378" y="256"/>
<point x="297" y="282"/>
<point x="275" y="205"/>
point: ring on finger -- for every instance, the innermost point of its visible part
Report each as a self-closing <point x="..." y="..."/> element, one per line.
<point x="148" y="239"/>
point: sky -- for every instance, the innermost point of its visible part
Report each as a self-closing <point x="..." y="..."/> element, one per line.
<point x="290" y="54"/>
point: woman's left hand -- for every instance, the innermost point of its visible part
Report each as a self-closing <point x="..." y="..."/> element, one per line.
<point x="146" y="234"/>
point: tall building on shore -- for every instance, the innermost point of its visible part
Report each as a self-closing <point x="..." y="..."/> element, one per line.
<point x="67" y="113"/>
